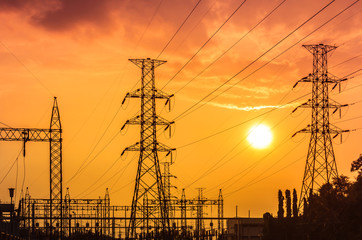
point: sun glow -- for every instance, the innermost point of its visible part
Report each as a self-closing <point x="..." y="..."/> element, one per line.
<point x="260" y="136"/>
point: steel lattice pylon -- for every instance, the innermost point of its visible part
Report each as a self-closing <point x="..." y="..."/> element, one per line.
<point x="56" y="178"/>
<point x="148" y="186"/>
<point x="320" y="165"/>
<point x="54" y="136"/>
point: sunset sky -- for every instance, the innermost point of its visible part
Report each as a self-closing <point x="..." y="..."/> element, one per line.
<point x="78" y="51"/>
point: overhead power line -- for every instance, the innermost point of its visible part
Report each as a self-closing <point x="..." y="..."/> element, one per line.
<point x="173" y="36"/>
<point x="207" y="41"/>
<point x="188" y="110"/>
<point x="233" y="45"/>
<point x="27" y="69"/>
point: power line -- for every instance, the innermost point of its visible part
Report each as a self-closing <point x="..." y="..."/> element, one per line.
<point x="233" y="45"/>
<point x="81" y="168"/>
<point x="6" y="125"/>
<point x="270" y="175"/>
<point x="241" y="123"/>
<point x="208" y="40"/>
<point x="187" y="111"/>
<point x="11" y="167"/>
<point x="23" y="64"/>
<point x="270" y="152"/>
<point x="96" y="181"/>
<point x="348" y="60"/>
<point x="178" y="29"/>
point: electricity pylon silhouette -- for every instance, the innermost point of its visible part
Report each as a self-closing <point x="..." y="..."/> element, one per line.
<point x="320" y="165"/>
<point x="149" y="191"/>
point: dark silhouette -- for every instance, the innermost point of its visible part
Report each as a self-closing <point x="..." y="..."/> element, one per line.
<point x="295" y="205"/>
<point x="332" y="213"/>
<point x="280" y="205"/>
<point x="288" y="203"/>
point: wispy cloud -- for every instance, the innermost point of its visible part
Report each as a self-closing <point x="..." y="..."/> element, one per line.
<point x="251" y="108"/>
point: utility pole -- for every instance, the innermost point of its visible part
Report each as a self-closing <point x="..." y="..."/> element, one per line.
<point x="148" y="178"/>
<point x="320" y="165"/>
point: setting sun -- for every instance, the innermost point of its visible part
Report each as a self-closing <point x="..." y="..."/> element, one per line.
<point x="260" y="136"/>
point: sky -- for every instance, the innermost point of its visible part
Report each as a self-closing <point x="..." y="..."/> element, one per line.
<point x="78" y="51"/>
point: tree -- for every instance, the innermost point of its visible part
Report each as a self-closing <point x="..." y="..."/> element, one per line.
<point x="280" y="205"/>
<point x="295" y="206"/>
<point x="357" y="166"/>
<point x="288" y="203"/>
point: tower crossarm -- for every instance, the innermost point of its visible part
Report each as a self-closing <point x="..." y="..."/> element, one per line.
<point x="333" y="130"/>
<point x="331" y="104"/>
<point x="332" y="79"/>
<point x="157" y="93"/>
<point x="138" y="121"/>
<point x="158" y="147"/>
<point x="27" y="134"/>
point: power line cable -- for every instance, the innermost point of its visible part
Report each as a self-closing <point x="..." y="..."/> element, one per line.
<point x="11" y="167"/>
<point x="173" y="36"/>
<point x="264" y="156"/>
<point x="85" y="164"/>
<point x="207" y="41"/>
<point x="241" y="123"/>
<point x="188" y="110"/>
<point x="99" y="178"/>
<point x="233" y="45"/>
<point x="270" y="175"/>
<point x="23" y="64"/>
<point x="6" y="125"/>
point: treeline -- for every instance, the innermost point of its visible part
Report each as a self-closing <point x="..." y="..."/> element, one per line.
<point x="333" y="213"/>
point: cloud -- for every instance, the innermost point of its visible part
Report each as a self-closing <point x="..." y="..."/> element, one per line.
<point x="251" y="108"/>
<point x="56" y="15"/>
<point x="70" y="13"/>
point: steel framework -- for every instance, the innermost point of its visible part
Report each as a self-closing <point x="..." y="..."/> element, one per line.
<point x="53" y="135"/>
<point x="320" y="165"/>
<point x="97" y="218"/>
<point x="149" y="185"/>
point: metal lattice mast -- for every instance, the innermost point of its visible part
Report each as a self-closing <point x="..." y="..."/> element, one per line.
<point x="183" y="212"/>
<point x="56" y="178"/>
<point x="320" y="165"/>
<point x="220" y="212"/>
<point x="66" y="213"/>
<point x="148" y="178"/>
<point x="167" y="186"/>
<point x="200" y="213"/>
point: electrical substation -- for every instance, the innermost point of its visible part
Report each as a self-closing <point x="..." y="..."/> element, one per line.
<point x="155" y="213"/>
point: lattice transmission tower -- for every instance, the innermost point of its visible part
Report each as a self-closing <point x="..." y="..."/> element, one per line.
<point x="320" y="165"/>
<point x="149" y="187"/>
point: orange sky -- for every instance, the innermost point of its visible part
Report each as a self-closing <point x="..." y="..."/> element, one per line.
<point x="77" y="50"/>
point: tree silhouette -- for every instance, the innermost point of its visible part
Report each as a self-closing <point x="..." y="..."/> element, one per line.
<point x="288" y="203"/>
<point x="295" y="206"/>
<point x="280" y="205"/>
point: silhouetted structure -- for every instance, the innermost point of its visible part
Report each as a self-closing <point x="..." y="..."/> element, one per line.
<point x="53" y="135"/>
<point x="149" y="180"/>
<point x="320" y="165"/>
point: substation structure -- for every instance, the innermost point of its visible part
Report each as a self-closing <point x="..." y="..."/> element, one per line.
<point x="97" y="218"/>
<point x="154" y="214"/>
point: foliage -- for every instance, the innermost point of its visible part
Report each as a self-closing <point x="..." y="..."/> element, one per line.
<point x="357" y="166"/>
<point x="280" y="205"/>
<point x="333" y="213"/>
<point x="288" y="203"/>
<point x="295" y="204"/>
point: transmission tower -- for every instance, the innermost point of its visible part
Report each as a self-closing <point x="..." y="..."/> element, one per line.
<point x="320" y="165"/>
<point x="54" y="137"/>
<point x="149" y="183"/>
